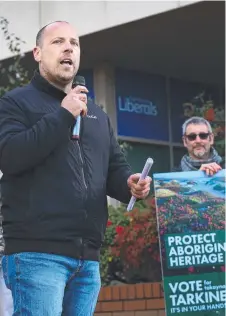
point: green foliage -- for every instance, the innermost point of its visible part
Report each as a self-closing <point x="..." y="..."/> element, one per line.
<point x="131" y="246"/>
<point x="125" y="147"/>
<point x="116" y="216"/>
<point x="15" y="74"/>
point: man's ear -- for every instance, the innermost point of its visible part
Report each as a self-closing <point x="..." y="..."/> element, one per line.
<point x="184" y="141"/>
<point x="37" y="54"/>
<point x="211" y="139"/>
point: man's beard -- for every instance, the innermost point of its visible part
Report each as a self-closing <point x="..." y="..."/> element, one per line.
<point x="65" y="77"/>
<point x="58" y="76"/>
<point x="200" y="153"/>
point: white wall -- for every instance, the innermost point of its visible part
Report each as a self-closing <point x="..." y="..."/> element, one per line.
<point x="27" y="17"/>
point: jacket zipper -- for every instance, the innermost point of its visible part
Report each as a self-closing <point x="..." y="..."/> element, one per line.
<point x="83" y="174"/>
<point x="84" y="181"/>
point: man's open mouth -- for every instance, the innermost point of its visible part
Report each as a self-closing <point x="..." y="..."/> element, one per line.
<point x="66" y="62"/>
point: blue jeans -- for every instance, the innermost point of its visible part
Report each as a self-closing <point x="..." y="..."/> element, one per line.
<point x="51" y="285"/>
<point x="6" y="301"/>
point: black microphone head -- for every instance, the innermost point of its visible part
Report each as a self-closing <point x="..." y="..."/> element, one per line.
<point x="79" y="81"/>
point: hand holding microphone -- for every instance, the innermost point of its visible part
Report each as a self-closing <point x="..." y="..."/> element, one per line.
<point x="75" y="102"/>
<point x="80" y="89"/>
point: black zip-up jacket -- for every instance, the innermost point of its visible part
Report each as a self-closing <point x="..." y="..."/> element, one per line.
<point x="54" y="188"/>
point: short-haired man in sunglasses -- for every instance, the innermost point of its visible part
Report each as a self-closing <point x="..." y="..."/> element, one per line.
<point x="198" y="138"/>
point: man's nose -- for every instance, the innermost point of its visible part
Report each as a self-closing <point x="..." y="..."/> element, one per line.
<point x="198" y="139"/>
<point x="68" y="47"/>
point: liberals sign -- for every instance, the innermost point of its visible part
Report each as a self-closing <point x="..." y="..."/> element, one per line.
<point x="136" y="105"/>
<point x="141" y="106"/>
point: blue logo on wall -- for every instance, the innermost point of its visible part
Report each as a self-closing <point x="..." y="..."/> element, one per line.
<point x="141" y="105"/>
<point x="137" y="105"/>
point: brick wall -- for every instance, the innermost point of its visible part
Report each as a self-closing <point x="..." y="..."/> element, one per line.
<point x="131" y="300"/>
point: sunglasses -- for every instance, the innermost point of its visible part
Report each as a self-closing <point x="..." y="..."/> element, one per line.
<point x="193" y="136"/>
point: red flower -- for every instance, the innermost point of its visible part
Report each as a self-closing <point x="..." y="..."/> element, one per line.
<point x="223" y="268"/>
<point x="191" y="269"/>
<point x="119" y="229"/>
<point x="109" y="223"/>
<point x="209" y="115"/>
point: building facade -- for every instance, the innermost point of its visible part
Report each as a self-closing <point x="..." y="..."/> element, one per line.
<point x="149" y="64"/>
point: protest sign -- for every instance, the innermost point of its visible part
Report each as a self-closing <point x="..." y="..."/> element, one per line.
<point x="191" y="223"/>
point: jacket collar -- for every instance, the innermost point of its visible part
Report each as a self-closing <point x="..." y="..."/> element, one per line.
<point x="43" y="85"/>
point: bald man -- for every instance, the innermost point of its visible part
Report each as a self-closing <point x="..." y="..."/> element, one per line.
<point x="54" y="188"/>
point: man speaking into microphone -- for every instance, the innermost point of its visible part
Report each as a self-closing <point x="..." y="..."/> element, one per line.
<point x="55" y="187"/>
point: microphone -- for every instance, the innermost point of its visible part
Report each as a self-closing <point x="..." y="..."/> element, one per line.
<point x="78" y="81"/>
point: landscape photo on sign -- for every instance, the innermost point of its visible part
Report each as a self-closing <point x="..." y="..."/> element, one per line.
<point x="191" y="225"/>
